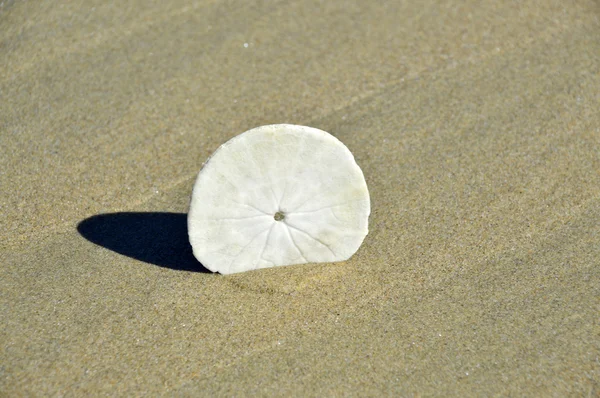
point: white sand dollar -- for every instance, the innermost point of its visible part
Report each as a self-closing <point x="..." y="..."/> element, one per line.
<point x="278" y="195"/>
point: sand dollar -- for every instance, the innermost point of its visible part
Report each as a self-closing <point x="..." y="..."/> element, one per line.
<point x="278" y="195"/>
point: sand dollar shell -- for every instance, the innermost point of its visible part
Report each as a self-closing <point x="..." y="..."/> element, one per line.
<point x="278" y="195"/>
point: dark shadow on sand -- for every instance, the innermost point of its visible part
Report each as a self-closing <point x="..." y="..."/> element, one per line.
<point x="155" y="238"/>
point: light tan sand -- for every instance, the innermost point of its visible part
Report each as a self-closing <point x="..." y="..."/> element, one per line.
<point x="478" y="130"/>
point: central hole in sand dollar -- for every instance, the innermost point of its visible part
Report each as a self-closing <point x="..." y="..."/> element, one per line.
<point x="279" y="216"/>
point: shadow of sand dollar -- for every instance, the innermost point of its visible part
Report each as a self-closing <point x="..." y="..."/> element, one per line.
<point x="156" y="238"/>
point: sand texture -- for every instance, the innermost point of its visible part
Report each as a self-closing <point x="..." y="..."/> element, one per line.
<point x="476" y="124"/>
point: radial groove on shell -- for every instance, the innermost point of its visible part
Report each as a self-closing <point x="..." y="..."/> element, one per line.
<point x="278" y="195"/>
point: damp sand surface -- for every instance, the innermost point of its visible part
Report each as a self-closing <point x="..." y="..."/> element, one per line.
<point x="477" y="129"/>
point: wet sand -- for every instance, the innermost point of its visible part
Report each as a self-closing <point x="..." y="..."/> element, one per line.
<point x="477" y="129"/>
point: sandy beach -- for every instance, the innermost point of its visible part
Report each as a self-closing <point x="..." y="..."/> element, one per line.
<point x="477" y="127"/>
